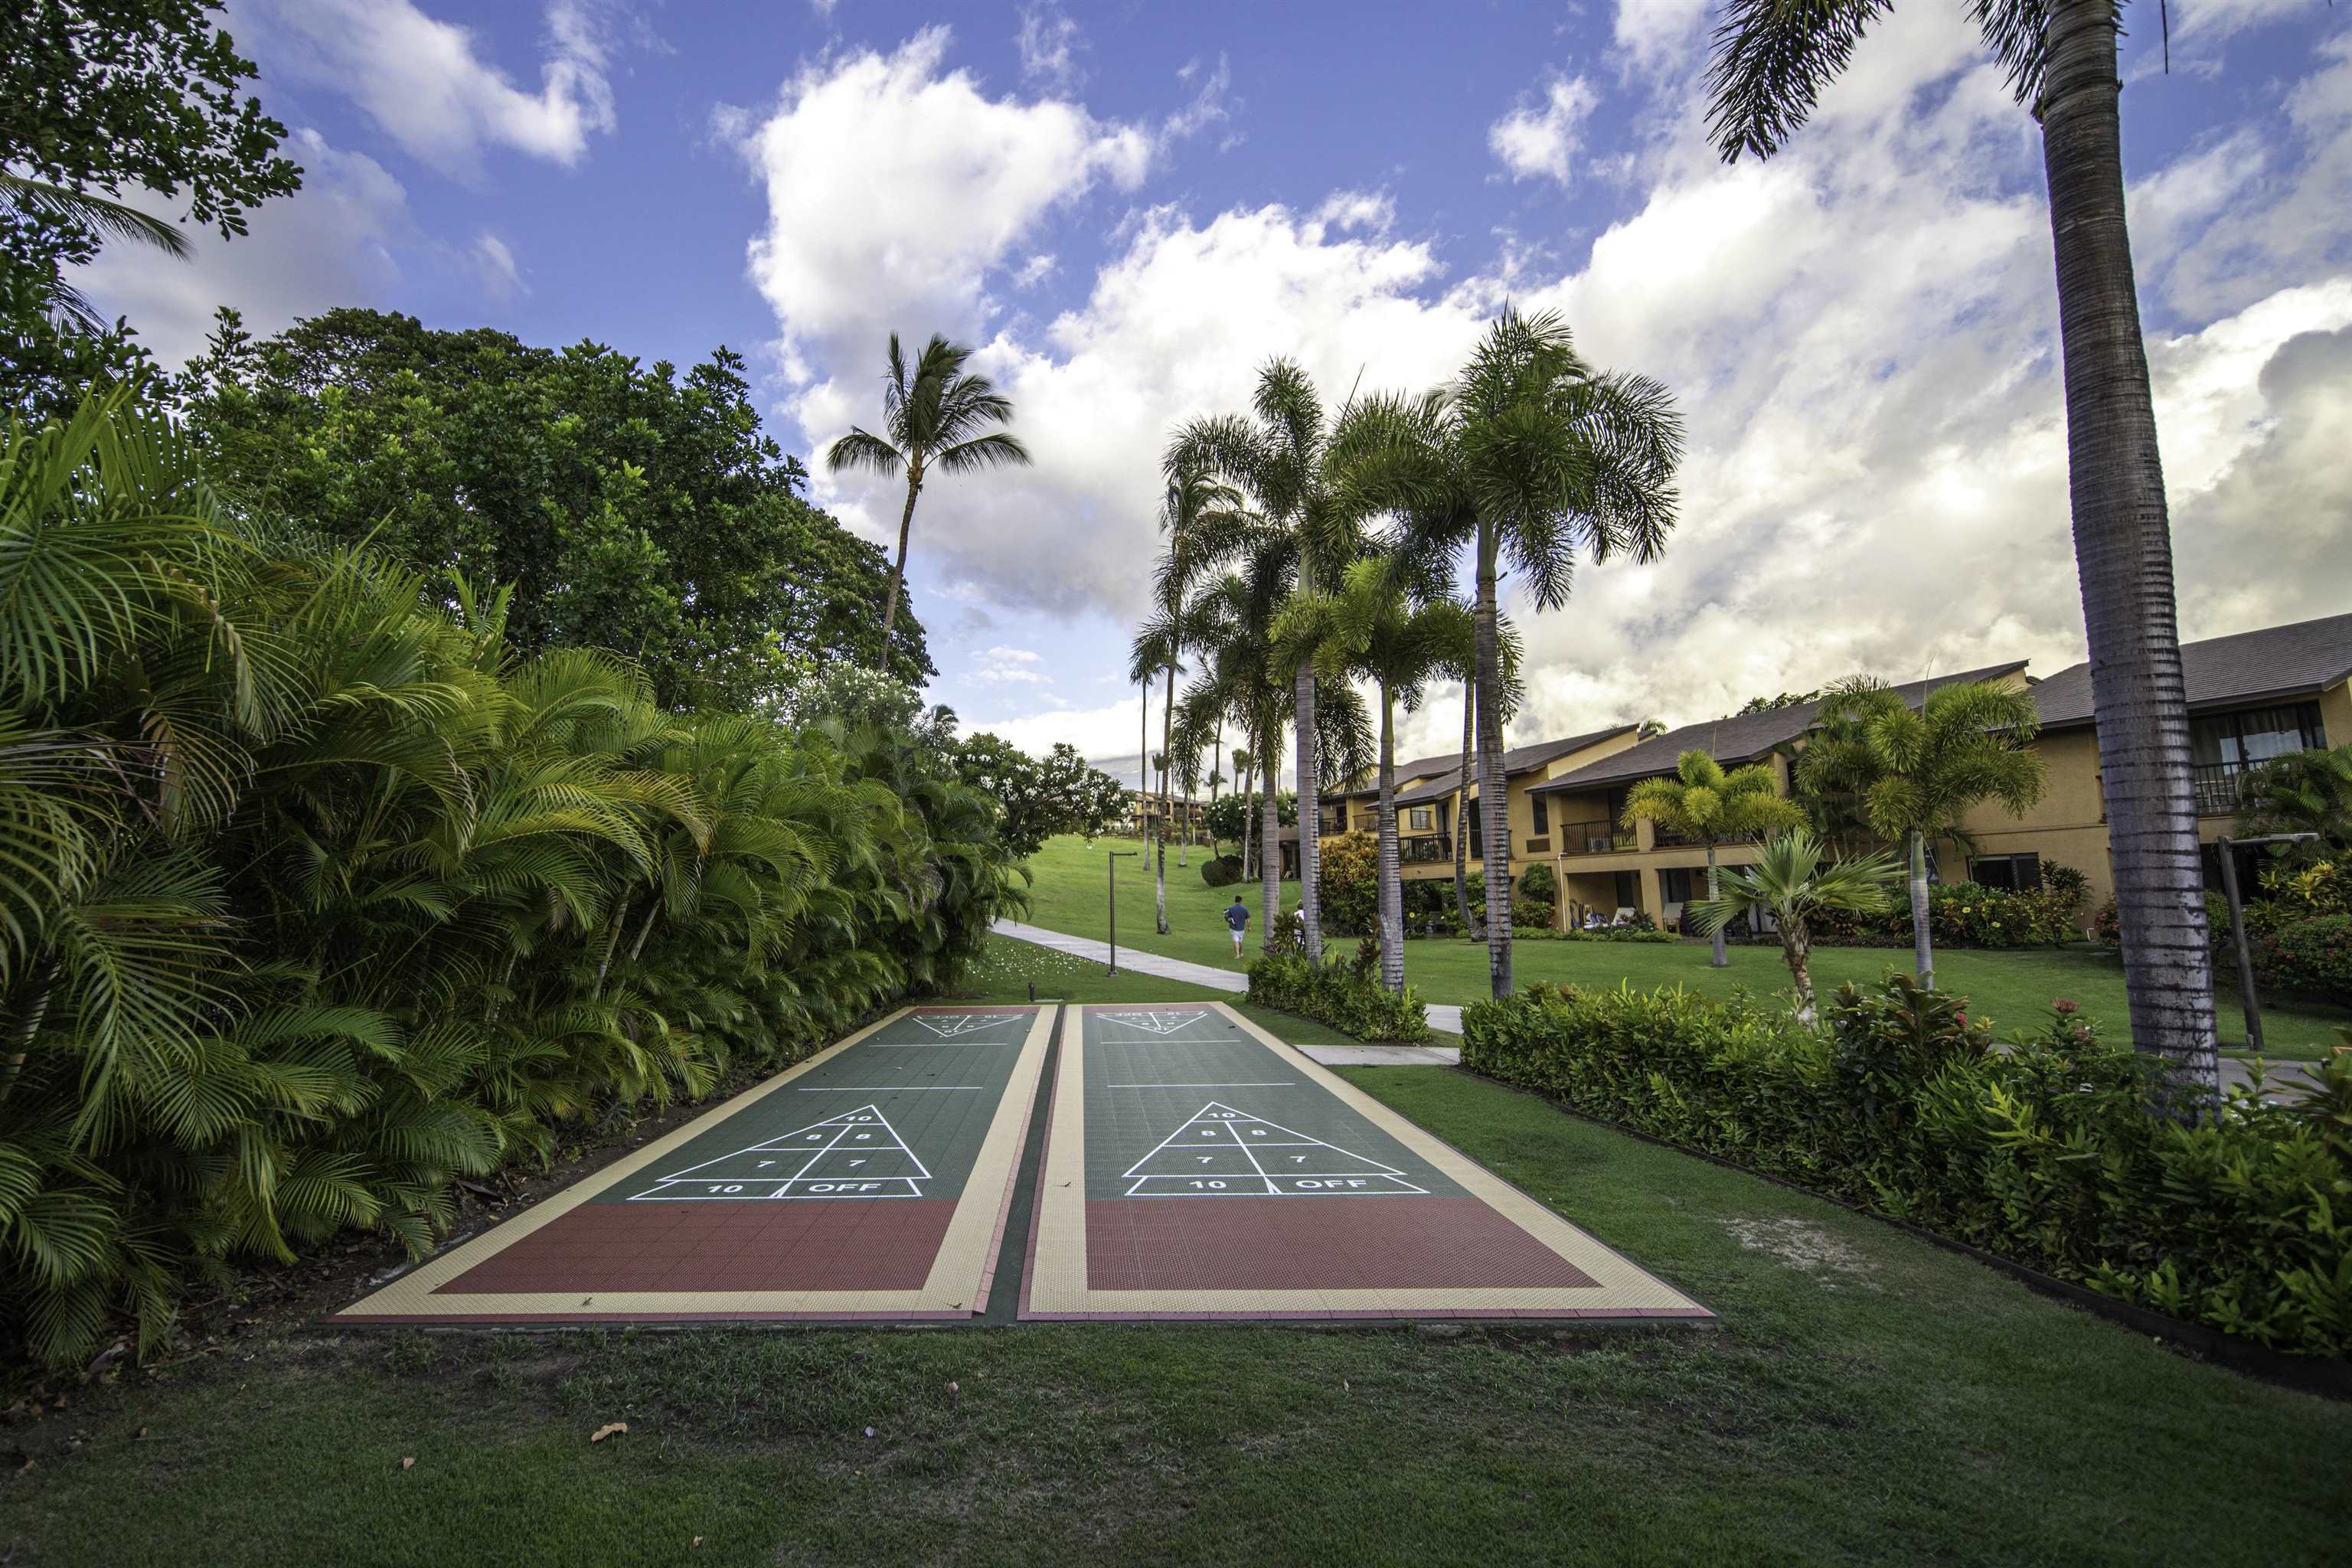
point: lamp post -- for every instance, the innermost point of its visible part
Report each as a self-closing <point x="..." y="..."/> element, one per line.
<point x="1111" y="858"/>
<point x="2252" y="1003"/>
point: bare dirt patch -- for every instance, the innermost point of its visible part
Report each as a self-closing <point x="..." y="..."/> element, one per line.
<point x="1805" y="1247"/>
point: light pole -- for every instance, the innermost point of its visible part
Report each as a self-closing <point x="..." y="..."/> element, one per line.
<point x="1112" y="857"/>
<point x="2252" y="1003"/>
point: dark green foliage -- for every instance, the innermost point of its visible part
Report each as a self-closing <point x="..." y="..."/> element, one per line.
<point x="1539" y="884"/>
<point x="1039" y="796"/>
<point x="1601" y="933"/>
<point x="2045" y="1152"/>
<point x="1346" y="994"/>
<point x="2310" y="958"/>
<point x="1349" y="878"/>
<point x="111" y="98"/>
<point x="316" y="892"/>
<point x="631" y="509"/>
<point x="1964" y="914"/>
<point x="1222" y="870"/>
<point x="1222" y="815"/>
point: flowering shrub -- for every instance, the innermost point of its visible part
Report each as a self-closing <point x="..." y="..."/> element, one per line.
<point x="1349" y="880"/>
<point x="1966" y="914"/>
<point x="2044" y="1152"/>
<point x="2312" y="958"/>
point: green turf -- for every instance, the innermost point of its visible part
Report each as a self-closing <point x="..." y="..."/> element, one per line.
<point x="1871" y="1399"/>
<point x="2013" y="989"/>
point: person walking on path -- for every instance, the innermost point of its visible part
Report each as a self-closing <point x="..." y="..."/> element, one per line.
<point x="1237" y="923"/>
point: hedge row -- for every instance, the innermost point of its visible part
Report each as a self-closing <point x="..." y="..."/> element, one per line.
<point x="2045" y="1152"/>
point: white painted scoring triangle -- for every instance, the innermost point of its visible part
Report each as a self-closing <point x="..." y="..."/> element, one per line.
<point x="1222" y="1152"/>
<point x="1155" y="1022"/>
<point x="857" y="1155"/>
<point x="947" y="1026"/>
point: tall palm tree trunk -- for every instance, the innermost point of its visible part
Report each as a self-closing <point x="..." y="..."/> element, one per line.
<point x="2123" y="549"/>
<point x="898" y="567"/>
<point x="1923" y="949"/>
<point x="1269" y="855"/>
<point x="1494" y="800"/>
<point x="1722" y="959"/>
<point x="1461" y="811"/>
<point x="1143" y="767"/>
<point x="1249" y="804"/>
<point x="1391" y="871"/>
<point x="1167" y="777"/>
<point x="1310" y="814"/>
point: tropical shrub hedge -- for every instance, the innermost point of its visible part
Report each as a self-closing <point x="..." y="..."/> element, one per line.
<point x="2044" y="1152"/>
<point x="2298" y="933"/>
<point x="1349" y="882"/>
<point x="1968" y="914"/>
<point x="1222" y="870"/>
<point x="1343" y="993"/>
<point x="315" y="895"/>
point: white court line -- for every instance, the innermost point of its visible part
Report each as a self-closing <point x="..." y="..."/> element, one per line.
<point x="1278" y="1083"/>
<point x="892" y="1088"/>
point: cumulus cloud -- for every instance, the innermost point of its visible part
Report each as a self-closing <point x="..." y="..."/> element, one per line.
<point x="1861" y="333"/>
<point x="1540" y="140"/>
<point x="330" y="243"/>
<point x="427" y="84"/>
<point x="1651" y="33"/>
<point x="1003" y="666"/>
<point x="946" y="184"/>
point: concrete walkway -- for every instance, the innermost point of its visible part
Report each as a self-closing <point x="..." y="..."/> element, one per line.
<point x="1446" y="1019"/>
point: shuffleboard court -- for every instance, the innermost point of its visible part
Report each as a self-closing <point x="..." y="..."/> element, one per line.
<point x="1197" y="1167"/>
<point x="871" y="1181"/>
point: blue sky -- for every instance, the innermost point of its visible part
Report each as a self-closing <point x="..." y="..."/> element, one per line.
<point x="1130" y="205"/>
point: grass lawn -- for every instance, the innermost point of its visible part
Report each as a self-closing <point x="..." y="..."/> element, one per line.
<point x="1869" y="1399"/>
<point x="2010" y="988"/>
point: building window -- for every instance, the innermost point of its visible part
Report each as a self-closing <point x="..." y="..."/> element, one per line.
<point x="1417" y="817"/>
<point x="1681" y="884"/>
<point x="1470" y="826"/>
<point x="2223" y="746"/>
<point x="1543" y="814"/>
<point x="2016" y="873"/>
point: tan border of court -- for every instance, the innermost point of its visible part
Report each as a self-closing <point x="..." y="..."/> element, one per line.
<point x="957" y="1286"/>
<point x="1057" y="1283"/>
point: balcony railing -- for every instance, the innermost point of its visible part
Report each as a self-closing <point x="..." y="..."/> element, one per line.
<point x="1665" y="840"/>
<point x="1599" y="837"/>
<point x="2218" y="786"/>
<point x="1426" y="849"/>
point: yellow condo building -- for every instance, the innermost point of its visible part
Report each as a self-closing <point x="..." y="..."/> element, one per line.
<point x="2250" y="697"/>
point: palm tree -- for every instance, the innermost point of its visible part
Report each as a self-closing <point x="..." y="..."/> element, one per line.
<point x="116" y="220"/>
<point x="935" y="420"/>
<point x="1771" y="61"/>
<point x="1245" y="781"/>
<point x="1915" y="773"/>
<point x="1531" y="457"/>
<point x="1789" y="881"/>
<point x="1371" y="629"/>
<point x="1305" y="531"/>
<point x="1706" y="804"/>
<point x="2302" y="792"/>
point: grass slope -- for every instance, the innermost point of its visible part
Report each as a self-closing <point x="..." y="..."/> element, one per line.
<point x="1871" y="1399"/>
<point x="2010" y="988"/>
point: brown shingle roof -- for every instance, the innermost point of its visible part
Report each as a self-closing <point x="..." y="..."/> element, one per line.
<point x="1517" y="760"/>
<point x="2283" y="661"/>
<point x="1736" y="740"/>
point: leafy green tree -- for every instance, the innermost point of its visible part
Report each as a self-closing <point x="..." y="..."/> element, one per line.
<point x="631" y="509"/>
<point x="1916" y="772"/>
<point x="935" y="419"/>
<point x="98" y="100"/>
<point x="1790" y="881"/>
<point x="1039" y="796"/>
<point x="1706" y="804"/>
<point x="1370" y="629"/>
<point x="1771" y="61"/>
<point x="2302" y="792"/>
<point x="1300" y="536"/>
<point x="1532" y="458"/>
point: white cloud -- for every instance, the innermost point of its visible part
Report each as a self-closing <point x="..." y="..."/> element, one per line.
<point x="946" y="185"/>
<point x="425" y="83"/>
<point x="1861" y="333"/>
<point x="1653" y="33"/>
<point x="1003" y="666"/>
<point x="1540" y="140"/>
<point x="496" y="264"/>
<point x="1050" y="41"/>
<point x="330" y="243"/>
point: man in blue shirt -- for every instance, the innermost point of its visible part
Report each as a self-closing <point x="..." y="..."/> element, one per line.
<point x="1238" y="921"/>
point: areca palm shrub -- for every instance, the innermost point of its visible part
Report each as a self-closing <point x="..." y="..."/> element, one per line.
<point x="314" y="896"/>
<point x="935" y="419"/>
<point x="1771" y="61"/>
<point x="1709" y="805"/>
<point x="1793" y="882"/>
<point x="1915" y="773"/>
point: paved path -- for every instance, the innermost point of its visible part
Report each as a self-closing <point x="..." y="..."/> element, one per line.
<point x="1446" y="1019"/>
